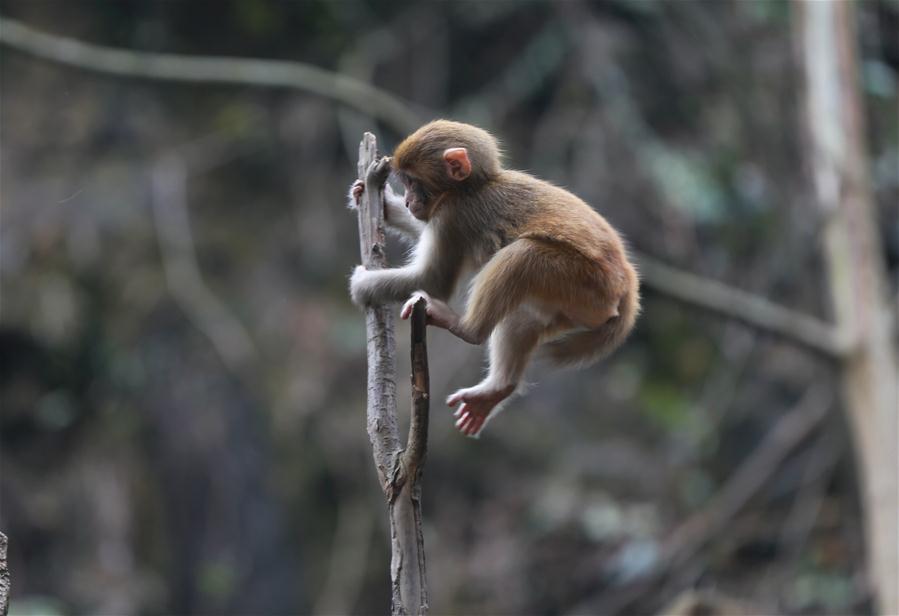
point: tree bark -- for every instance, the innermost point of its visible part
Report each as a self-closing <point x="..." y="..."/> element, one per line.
<point x="856" y="274"/>
<point x="399" y="469"/>
<point x="4" y="577"/>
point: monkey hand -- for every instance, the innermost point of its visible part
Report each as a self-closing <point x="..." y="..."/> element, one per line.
<point x="378" y="171"/>
<point x="439" y="313"/>
<point x="358" y="187"/>
<point x="361" y="288"/>
<point x="356" y="190"/>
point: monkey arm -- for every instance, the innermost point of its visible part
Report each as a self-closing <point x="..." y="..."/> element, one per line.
<point x="456" y="326"/>
<point x="434" y="268"/>
<point x="383" y="286"/>
<point x="398" y="217"/>
<point x="397" y="284"/>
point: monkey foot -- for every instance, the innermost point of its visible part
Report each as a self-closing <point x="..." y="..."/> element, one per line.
<point x="478" y="404"/>
<point x="406" y="310"/>
<point x="439" y="314"/>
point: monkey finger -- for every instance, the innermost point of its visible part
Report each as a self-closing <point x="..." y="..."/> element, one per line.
<point x="476" y="422"/>
<point x="406" y="311"/>
<point x="379" y="169"/>
<point x="473" y="428"/>
<point x="466" y="427"/>
<point x="464" y="424"/>
<point x="482" y="421"/>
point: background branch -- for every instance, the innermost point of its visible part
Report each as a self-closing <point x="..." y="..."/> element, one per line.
<point x="747" y="308"/>
<point x="707" y="524"/>
<point x="210" y="69"/>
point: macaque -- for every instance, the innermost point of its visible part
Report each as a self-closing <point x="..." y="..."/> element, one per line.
<point x="550" y="271"/>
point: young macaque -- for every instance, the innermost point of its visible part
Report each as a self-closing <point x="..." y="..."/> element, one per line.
<point x="551" y="272"/>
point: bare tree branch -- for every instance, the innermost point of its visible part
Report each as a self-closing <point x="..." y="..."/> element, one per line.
<point x="210" y="69"/>
<point x="748" y="308"/>
<point x="382" y="425"/>
<point x="4" y="577"/>
<point x="417" y="443"/>
<point x="399" y="470"/>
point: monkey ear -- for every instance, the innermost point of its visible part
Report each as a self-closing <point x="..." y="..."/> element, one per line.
<point x="458" y="166"/>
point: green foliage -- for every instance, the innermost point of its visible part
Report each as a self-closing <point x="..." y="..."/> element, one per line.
<point x="879" y="79"/>
<point x="36" y="605"/>
<point x="686" y="181"/>
<point x="218" y="579"/>
<point x="666" y="404"/>
<point x="815" y="589"/>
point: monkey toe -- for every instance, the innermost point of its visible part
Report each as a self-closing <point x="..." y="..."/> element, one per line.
<point x="475" y="410"/>
<point x="463" y="395"/>
<point x="406" y="311"/>
<point x="455" y="398"/>
<point x="470" y="420"/>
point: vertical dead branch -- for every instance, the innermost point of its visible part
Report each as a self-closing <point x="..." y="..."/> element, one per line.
<point x="416" y="446"/>
<point x="4" y="577"/>
<point x="856" y="273"/>
<point x="381" y="410"/>
<point x="399" y="470"/>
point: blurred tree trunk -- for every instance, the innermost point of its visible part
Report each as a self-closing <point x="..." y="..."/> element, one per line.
<point x="856" y="274"/>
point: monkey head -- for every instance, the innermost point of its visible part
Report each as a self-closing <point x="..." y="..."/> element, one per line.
<point x="443" y="157"/>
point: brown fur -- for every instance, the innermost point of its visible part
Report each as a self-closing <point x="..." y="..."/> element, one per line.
<point x="548" y="264"/>
<point x="546" y="244"/>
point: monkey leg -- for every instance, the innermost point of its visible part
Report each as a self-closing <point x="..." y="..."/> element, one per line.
<point x="535" y="272"/>
<point x="511" y="345"/>
<point x="439" y="313"/>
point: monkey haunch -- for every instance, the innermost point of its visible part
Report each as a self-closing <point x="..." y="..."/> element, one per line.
<point x="550" y="270"/>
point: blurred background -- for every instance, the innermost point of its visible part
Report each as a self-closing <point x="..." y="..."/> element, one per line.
<point x="182" y="375"/>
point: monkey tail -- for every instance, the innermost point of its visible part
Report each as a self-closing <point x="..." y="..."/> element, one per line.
<point x="586" y="347"/>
